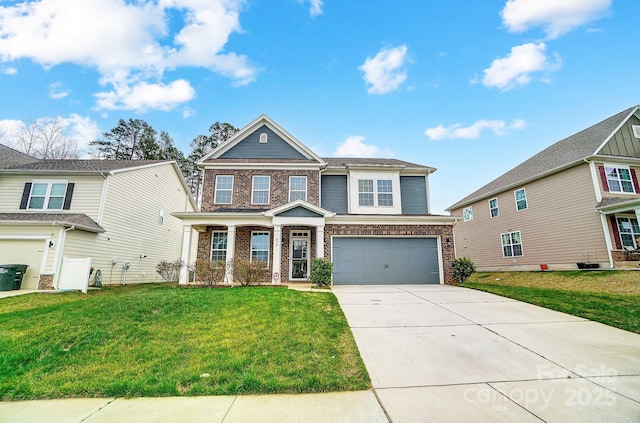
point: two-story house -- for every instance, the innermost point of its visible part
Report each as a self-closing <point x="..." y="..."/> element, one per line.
<point x="117" y="213"/>
<point x="575" y="202"/>
<point x="268" y="197"/>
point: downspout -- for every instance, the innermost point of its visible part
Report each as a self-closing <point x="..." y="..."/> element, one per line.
<point x="603" y="217"/>
<point x="103" y="197"/>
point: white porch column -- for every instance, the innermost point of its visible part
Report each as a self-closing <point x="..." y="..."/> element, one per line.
<point x="320" y="241"/>
<point x="231" y="246"/>
<point x="276" y="276"/>
<point x="185" y="256"/>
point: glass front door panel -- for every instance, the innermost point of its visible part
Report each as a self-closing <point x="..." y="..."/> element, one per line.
<point x="299" y="258"/>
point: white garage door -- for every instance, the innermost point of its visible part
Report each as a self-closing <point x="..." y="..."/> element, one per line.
<point x="379" y="261"/>
<point x="30" y="252"/>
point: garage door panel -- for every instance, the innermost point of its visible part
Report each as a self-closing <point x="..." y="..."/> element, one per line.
<point x="29" y="252"/>
<point x="362" y="260"/>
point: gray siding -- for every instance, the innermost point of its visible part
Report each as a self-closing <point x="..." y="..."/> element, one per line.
<point x="274" y="148"/>
<point x="413" y="191"/>
<point x="623" y="143"/>
<point x="334" y="193"/>
<point x="299" y="212"/>
<point x="379" y="261"/>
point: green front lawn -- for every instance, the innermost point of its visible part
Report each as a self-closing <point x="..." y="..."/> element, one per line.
<point x="159" y="340"/>
<point x="609" y="297"/>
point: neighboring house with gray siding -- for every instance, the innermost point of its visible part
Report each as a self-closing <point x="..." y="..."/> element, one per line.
<point x="267" y="197"/>
<point x="577" y="201"/>
<point x="114" y="212"/>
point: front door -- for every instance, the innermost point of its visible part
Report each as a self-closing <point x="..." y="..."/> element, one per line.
<point x="299" y="255"/>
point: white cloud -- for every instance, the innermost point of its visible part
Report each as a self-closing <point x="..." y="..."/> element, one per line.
<point x="517" y="67"/>
<point x="81" y="129"/>
<point x="457" y="131"/>
<point x="128" y="43"/>
<point x="9" y="130"/>
<point x="354" y="146"/>
<point x="57" y="90"/>
<point x="315" y="7"/>
<point x="142" y="96"/>
<point x="384" y="71"/>
<point x="555" y="17"/>
<point x="9" y="70"/>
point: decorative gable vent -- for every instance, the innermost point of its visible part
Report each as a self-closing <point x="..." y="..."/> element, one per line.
<point x="263" y="138"/>
<point x="636" y="131"/>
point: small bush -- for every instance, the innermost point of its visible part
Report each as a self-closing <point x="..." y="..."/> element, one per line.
<point x="169" y="271"/>
<point x="321" y="270"/>
<point x="210" y="272"/>
<point x="247" y="272"/>
<point x="462" y="269"/>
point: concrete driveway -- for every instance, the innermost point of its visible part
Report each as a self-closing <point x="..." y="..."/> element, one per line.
<point x="446" y="353"/>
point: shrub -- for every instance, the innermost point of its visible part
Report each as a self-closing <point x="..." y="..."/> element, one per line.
<point x="169" y="271"/>
<point x="209" y="272"/>
<point x="321" y="270"/>
<point x="246" y="272"/>
<point x="462" y="269"/>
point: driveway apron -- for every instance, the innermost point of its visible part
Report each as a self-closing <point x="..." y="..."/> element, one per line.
<point x="446" y="353"/>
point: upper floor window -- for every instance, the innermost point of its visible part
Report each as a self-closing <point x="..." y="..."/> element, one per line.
<point x="467" y="214"/>
<point x="511" y="244"/>
<point x="619" y="179"/>
<point x="224" y="189"/>
<point x="260" y="190"/>
<point x="378" y="194"/>
<point x="493" y="207"/>
<point x="48" y="195"/>
<point x="298" y="188"/>
<point x="521" y="199"/>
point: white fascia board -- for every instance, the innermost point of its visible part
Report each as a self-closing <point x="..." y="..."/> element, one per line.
<point x="390" y="220"/>
<point x="635" y="109"/>
<point x="224" y="219"/>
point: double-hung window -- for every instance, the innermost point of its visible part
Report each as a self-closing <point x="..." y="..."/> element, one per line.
<point x="619" y="179"/>
<point x="493" y="208"/>
<point x="260" y="190"/>
<point x="219" y="246"/>
<point x="224" y="189"/>
<point x="375" y="192"/>
<point x="298" y="188"/>
<point x="629" y="231"/>
<point x="511" y="244"/>
<point x="467" y="214"/>
<point x="521" y="199"/>
<point x="260" y="247"/>
<point x="47" y="195"/>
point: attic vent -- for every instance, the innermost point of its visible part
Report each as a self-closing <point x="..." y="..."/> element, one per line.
<point x="636" y="131"/>
<point x="263" y="138"/>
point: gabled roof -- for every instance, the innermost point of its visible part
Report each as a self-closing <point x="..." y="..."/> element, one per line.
<point x="73" y="165"/>
<point x="262" y="120"/>
<point x="76" y="220"/>
<point x="559" y="156"/>
<point x="351" y="162"/>
<point x="10" y="157"/>
<point x="299" y="203"/>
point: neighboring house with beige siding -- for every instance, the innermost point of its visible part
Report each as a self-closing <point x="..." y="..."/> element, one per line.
<point x="577" y="201"/>
<point x="269" y="198"/>
<point x="114" y="212"/>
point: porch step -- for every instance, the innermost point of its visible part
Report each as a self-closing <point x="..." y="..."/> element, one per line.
<point x="626" y="265"/>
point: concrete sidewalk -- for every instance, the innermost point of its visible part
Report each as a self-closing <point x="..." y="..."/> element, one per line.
<point x="446" y="353"/>
<point x="360" y="406"/>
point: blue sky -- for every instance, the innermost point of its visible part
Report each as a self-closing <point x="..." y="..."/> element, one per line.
<point x="470" y="87"/>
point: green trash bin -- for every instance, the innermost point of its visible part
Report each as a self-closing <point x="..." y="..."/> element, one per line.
<point x="11" y="276"/>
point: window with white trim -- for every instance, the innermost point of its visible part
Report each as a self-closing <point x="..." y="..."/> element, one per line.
<point x="511" y="244"/>
<point x="493" y="208"/>
<point x="619" y="179"/>
<point x="224" y="189"/>
<point x="297" y="188"/>
<point x="629" y="231"/>
<point x="521" y="199"/>
<point x="219" y="246"/>
<point x="260" y="247"/>
<point x="375" y="192"/>
<point x="47" y="195"/>
<point x="260" y="190"/>
<point x="467" y="214"/>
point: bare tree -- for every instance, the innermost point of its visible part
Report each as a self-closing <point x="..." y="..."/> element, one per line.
<point x="45" y="139"/>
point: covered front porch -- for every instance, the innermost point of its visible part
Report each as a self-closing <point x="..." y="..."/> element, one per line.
<point x="285" y="239"/>
<point x="621" y="217"/>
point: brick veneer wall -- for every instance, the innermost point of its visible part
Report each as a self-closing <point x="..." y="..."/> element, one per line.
<point x="444" y="231"/>
<point x="242" y="181"/>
